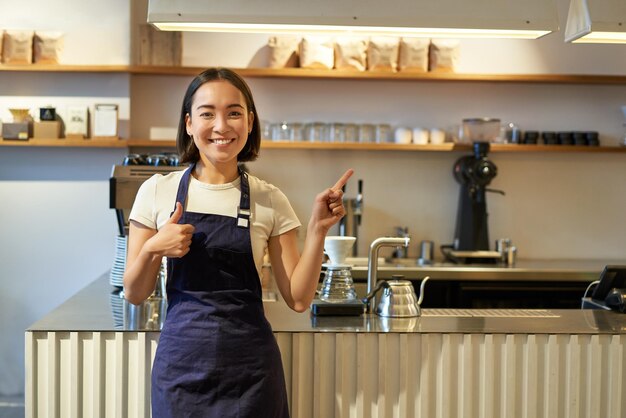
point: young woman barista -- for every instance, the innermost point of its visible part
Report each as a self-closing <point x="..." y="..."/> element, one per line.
<point x="217" y="356"/>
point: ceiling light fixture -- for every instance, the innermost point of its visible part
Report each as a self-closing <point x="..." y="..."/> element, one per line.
<point x="529" y="19"/>
<point x="596" y="21"/>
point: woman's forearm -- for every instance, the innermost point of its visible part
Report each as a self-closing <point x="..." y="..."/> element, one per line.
<point x="142" y="264"/>
<point x="140" y="277"/>
<point x="297" y="276"/>
<point x="306" y="274"/>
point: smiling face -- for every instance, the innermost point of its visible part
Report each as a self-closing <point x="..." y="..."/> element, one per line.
<point x="219" y="123"/>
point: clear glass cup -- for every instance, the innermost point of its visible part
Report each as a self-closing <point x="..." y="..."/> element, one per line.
<point x="296" y="131"/>
<point x="383" y="133"/>
<point x="352" y="132"/>
<point x="266" y="129"/>
<point x="336" y="132"/>
<point x="367" y="133"/>
<point x="455" y="134"/>
<point x="316" y="132"/>
<point x="512" y="134"/>
<point x="280" y="131"/>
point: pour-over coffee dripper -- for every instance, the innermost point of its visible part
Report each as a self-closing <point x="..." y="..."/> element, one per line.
<point x="20" y="114"/>
<point x="338" y="248"/>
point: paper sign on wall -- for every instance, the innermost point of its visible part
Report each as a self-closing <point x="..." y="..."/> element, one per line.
<point x="77" y="121"/>
<point x="105" y="121"/>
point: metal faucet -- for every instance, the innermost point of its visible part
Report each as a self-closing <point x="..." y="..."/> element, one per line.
<point x="401" y="251"/>
<point x="372" y="263"/>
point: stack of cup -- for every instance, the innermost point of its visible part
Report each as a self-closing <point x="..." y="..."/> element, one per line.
<point x="420" y="136"/>
<point x="437" y="136"/>
<point x="403" y="135"/>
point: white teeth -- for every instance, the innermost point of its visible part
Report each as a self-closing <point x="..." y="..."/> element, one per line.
<point x="222" y="141"/>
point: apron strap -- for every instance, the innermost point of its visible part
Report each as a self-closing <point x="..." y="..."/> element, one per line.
<point x="183" y="187"/>
<point x="243" y="210"/>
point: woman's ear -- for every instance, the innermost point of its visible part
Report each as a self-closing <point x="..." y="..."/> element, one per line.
<point x="188" y="123"/>
<point x="250" y="122"/>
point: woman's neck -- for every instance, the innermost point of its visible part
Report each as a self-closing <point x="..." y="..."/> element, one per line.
<point x="208" y="173"/>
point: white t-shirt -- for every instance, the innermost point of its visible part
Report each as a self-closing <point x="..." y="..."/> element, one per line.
<point x="271" y="215"/>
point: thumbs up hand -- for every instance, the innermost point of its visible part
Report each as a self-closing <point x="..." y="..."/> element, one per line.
<point x="176" y="215"/>
<point x="172" y="240"/>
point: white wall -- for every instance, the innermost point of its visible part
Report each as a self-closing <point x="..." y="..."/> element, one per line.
<point x="58" y="233"/>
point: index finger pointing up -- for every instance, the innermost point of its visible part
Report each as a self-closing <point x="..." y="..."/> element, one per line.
<point x="343" y="180"/>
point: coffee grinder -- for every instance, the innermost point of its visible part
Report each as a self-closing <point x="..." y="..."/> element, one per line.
<point x="337" y="295"/>
<point x="471" y="237"/>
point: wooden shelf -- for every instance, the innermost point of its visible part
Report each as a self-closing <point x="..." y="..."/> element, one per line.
<point x="64" y="142"/>
<point x="50" y="68"/>
<point x="287" y="145"/>
<point x="306" y="145"/>
<point x="303" y="73"/>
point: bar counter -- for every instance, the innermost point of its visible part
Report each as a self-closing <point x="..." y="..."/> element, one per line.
<point x="82" y="362"/>
<point x="94" y="309"/>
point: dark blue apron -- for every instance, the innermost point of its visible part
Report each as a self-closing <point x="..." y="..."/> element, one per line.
<point x="217" y="355"/>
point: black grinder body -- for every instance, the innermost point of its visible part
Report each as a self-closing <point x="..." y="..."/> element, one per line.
<point x="473" y="173"/>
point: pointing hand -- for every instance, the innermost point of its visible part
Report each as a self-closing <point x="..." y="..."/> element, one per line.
<point x="328" y="207"/>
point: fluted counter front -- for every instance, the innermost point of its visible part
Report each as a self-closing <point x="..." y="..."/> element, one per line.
<point x="81" y="362"/>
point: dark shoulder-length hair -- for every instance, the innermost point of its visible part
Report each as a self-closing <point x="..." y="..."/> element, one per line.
<point x="184" y="143"/>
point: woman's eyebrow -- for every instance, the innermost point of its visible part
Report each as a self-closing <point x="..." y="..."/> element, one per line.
<point x="209" y="106"/>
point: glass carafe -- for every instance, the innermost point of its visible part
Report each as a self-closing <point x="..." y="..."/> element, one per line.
<point x="338" y="285"/>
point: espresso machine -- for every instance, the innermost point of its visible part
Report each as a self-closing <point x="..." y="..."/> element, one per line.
<point x="126" y="178"/>
<point x="471" y="237"/>
<point x="350" y="223"/>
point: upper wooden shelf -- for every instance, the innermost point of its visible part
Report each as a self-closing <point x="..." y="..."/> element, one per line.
<point x="65" y="142"/>
<point x="267" y="144"/>
<point x="328" y="74"/>
<point x="50" y="68"/>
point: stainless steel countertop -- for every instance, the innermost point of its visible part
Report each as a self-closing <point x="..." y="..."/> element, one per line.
<point x="92" y="309"/>
<point x="530" y="270"/>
